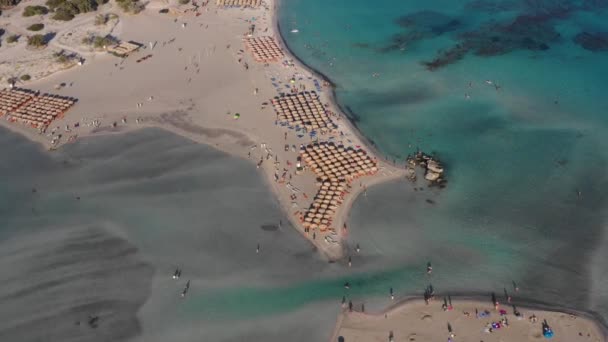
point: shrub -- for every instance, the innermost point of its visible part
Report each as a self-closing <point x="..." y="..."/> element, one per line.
<point x="12" y="38"/>
<point x="36" y="27"/>
<point x="35" y="10"/>
<point x="84" y="6"/>
<point x="62" y="14"/>
<point x="101" y="19"/>
<point x="184" y="2"/>
<point x="8" y="3"/>
<point x="130" y="6"/>
<point x="36" y="40"/>
<point x="62" y="58"/>
<point x="25" y="77"/>
<point x="54" y="4"/>
<point x="100" y="42"/>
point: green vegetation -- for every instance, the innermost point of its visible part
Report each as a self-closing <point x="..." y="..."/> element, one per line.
<point x="61" y="57"/>
<point x="36" y="40"/>
<point x="25" y="77"/>
<point x="12" y="38"/>
<point x="184" y="2"/>
<point x="99" y="42"/>
<point x="63" y="15"/>
<point x="8" y="3"/>
<point x="67" y="9"/>
<point x="35" y="10"/>
<point x="130" y="6"/>
<point x="101" y="19"/>
<point x="35" y="27"/>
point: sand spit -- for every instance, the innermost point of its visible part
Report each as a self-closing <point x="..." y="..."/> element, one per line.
<point x="464" y="320"/>
<point x="194" y="77"/>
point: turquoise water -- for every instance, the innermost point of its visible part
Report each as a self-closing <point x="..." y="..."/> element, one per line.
<point x="521" y="132"/>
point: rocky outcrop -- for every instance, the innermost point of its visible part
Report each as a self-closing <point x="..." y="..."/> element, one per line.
<point x="433" y="169"/>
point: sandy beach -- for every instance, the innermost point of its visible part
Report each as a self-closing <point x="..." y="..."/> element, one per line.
<point x="463" y="320"/>
<point x="199" y="76"/>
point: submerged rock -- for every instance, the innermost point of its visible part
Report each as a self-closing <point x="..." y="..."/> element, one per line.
<point x="595" y="42"/>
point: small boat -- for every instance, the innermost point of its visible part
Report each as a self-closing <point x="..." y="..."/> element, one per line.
<point x="186" y="289"/>
<point x="295" y="31"/>
<point x="177" y="273"/>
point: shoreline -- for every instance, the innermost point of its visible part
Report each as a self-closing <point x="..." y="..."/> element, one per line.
<point x="224" y="136"/>
<point x="335" y="105"/>
<point x="411" y="303"/>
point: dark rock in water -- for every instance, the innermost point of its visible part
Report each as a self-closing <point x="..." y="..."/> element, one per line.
<point x="430" y="201"/>
<point x="446" y="57"/>
<point x="421" y="25"/>
<point x="426" y="20"/>
<point x="595" y="42"/>
<point x="525" y="32"/>
<point x="430" y="164"/>
<point x="269" y="227"/>
<point x="361" y="45"/>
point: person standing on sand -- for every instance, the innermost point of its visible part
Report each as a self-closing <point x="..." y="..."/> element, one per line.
<point x="494" y="301"/>
<point x="350" y="306"/>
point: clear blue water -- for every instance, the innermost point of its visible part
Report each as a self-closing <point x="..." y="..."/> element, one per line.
<point x="517" y="150"/>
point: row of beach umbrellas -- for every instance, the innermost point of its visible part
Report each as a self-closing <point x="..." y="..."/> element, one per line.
<point x="26" y="106"/>
<point x="239" y="3"/>
<point x="12" y="99"/>
<point x="301" y="109"/>
<point x="335" y="166"/>
<point x="264" y="49"/>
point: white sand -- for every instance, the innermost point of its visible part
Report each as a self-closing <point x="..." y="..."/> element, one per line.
<point x="189" y="85"/>
<point x="416" y="321"/>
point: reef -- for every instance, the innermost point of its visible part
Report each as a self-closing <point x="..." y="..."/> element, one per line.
<point x="490" y="6"/>
<point x="533" y="29"/>
<point x="596" y="42"/>
<point x="525" y="32"/>
<point x="419" y="26"/>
